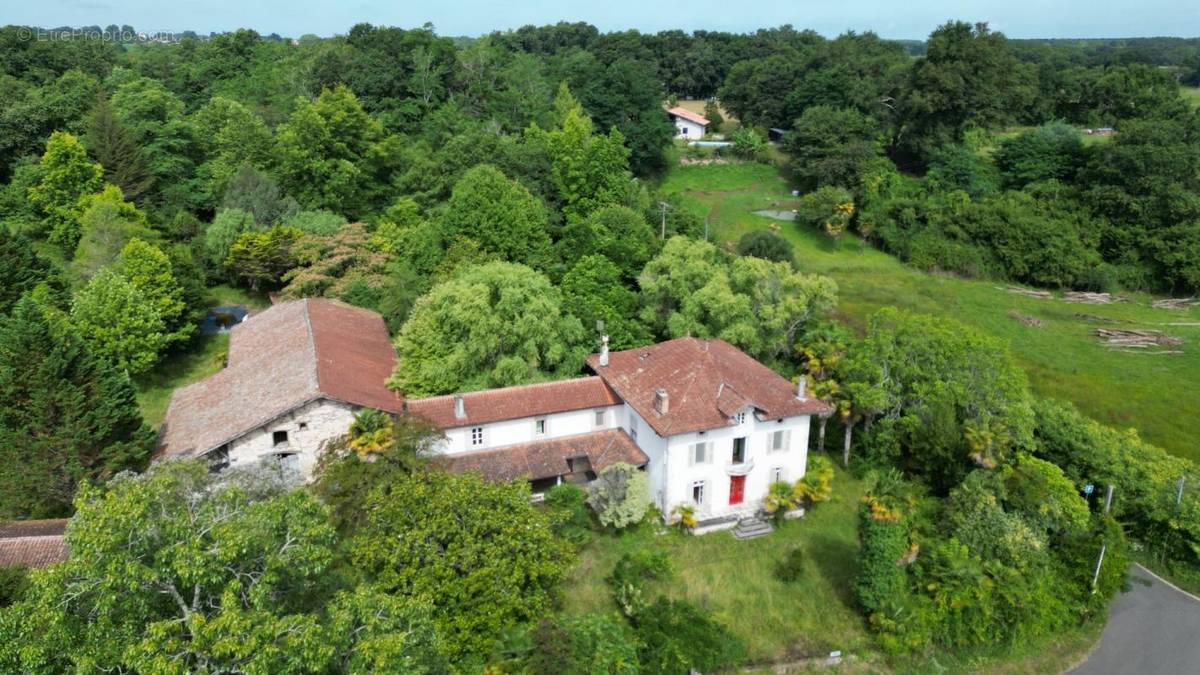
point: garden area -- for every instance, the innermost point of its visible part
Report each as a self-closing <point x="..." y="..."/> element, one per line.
<point x="1053" y="340"/>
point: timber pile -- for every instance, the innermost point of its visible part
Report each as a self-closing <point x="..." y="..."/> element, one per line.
<point x="1025" y="319"/>
<point x="1137" y="339"/>
<point x="1174" y="303"/>
<point x="1091" y="298"/>
<point x="1043" y="295"/>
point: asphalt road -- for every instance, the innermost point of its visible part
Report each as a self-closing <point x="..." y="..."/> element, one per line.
<point x="1153" y="629"/>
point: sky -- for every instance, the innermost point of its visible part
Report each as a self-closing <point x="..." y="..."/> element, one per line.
<point x="899" y="19"/>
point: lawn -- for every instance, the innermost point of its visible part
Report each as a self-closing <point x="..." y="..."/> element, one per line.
<point x="1191" y="94"/>
<point x="1153" y="392"/>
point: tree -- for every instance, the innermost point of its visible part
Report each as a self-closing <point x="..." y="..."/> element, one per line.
<point x="110" y="143"/>
<point x="829" y="208"/>
<point x="256" y="193"/>
<point x="589" y="170"/>
<point x="477" y="550"/>
<point x="831" y="146"/>
<point x="21" y="268"/>
<point x="180" y="570"/>
<point x="497" y="324"/>
<point x="620" y="495"/>
<point x="957" y="167"/>
<point x="1049" y="152"/>
<point x="617" y="232"/>
<point x="153" y="115"/>
<point x="221" y="234"/>
<point x="262" y="257"/>
<point x="230" y="137"/>
<point x="149" y="271"/>
<point x="107" y="224"/>
<point x="627" y="96"/>
<point x="593" y="291"/>
<point x="500" y="214"/>
<point x="675" y="636"/>
<point x="66" y="417"/>
<point x="66" y="175"/>
<point x="767" y="245"/>
<point x="119" y="323"/>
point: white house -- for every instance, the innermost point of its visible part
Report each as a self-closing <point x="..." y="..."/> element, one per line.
<point x="295" y="376"/>
<point x="688" y="125"/>
<point x="711" y="426"/>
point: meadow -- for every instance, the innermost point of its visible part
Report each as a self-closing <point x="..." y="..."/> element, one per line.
<point x="1152" y="392"/>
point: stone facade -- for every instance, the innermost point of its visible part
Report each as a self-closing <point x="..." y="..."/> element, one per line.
<point x="300" y="433"/>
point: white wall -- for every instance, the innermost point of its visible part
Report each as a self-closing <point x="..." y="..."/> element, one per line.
<point x="693" y="131"/>
<point x="323" y="419"/>
<point x="521" y="430"/>
<point x="679" y="476"/>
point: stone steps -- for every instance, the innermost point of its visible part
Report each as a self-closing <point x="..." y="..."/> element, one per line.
<point x="749" y="528"/>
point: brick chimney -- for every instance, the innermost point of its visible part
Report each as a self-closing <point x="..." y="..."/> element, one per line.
<point x="603" y="350"/>
<point x="802" y="388"/>
<point x="661" y="403"/>
<point x="460" y="407"/>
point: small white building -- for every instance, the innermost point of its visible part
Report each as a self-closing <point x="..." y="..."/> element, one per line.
<point x="688" y="125"/>
<point x="295" y="376"/>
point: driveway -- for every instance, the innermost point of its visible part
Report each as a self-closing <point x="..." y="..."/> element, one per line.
<point x="1154" y="629"/>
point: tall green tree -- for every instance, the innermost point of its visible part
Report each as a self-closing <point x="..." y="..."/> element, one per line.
<point x="113" y="146"/>
<point x="831" y="146"/>
<point x="451" y="538"/>
<point x="107" y="224"/>
<point x="67" y="174"/>
<point x="21" y="268"/>
<point x="594" y="290"/>
<point x="149" y="270"/>
<point x="119" y="323"/>
<point x="500" y="214"/>
<point x="66" y="416"/>
<point x="497" y="324"/>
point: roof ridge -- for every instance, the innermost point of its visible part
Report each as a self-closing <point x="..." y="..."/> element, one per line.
<point x="529" y="385"/>
<point x="312" y="342"/>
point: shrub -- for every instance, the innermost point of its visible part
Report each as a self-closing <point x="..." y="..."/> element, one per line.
<point x="791" y="568"/>
<point x="619" y="495"/>
<point x="583" y="645"/>
<point x="884" y="542"/>
<point x="748" y="145"/>
<point x="767" y="245"/>
<point x="676" y="636"/>
<point x="630" y="574"/>
<point x="569" y="517"/>
<point x="817" y="484"/>
<point x="781" y="498"/>
<point x="13" y="582"/>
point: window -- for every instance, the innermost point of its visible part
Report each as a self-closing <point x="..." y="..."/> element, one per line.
<point x="683" y="131"/>
<point x="632" y="427"/>
<point x="701" y="453"/>
<point x="279" y="437"/>
<point x="477" y="436"/>
<point x="740" y="418"/>
<point x="303" y="426"/>
<point x="600" y="415"/>
<point x="739" y="450"/>
<point x="777" y="475"/>
<point x="539" y="427"/>
<point x="698" y="492"/>
<point x="779" y="441"/>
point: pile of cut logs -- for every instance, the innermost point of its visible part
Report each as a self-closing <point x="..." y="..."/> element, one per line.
<point x="1091" y="298"/>
<point x="1174" y="303"/>
<point x="1119" y="338"/>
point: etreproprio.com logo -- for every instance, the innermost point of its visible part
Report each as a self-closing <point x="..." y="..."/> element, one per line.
<point x="120" y="35"/>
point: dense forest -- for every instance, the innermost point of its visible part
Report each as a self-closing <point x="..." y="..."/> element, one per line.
<point x="495" y="199"/>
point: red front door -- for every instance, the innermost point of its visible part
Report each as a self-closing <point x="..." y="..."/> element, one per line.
<point x="737" y="489"/>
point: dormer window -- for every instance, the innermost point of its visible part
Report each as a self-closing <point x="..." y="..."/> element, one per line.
<point x="740" y="418"/>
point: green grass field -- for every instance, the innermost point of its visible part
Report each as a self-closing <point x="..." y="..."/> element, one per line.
<point x="1191" y="94"/>
<point x="1153" y="392"/>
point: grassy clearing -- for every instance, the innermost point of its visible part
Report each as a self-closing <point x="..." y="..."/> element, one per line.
<point x="202" y="357"/>
<point x="1063" y="360"/>
<point x="1192" y="95"/>
<point x="223" y="295"/>
<point x="736" y="579"/>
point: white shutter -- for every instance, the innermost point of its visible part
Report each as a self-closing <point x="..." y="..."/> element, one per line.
<point x="691" y="455"/>
<point x="787" y="440"/>
<point x="708" y="453"/>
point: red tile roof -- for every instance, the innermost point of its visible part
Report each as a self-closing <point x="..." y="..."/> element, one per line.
<point x="32" y="543"/>
<point x="707" y="382"/>
<point x="495" y="405"/>
<point x="688" y="115"/>
<point x="279" y="360"/>
<point x="547" y="459"/>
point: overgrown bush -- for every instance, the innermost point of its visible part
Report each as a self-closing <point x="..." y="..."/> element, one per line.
<point x="791" y="567"/>
<point x="881" y="579"/>
<point x="629" y="576"/>
<point x="767" y="245"/>
<point x="583" y="645"/>
<point x="569" y="516"/>
<point x="620" y="495"/>
<point x="13" y="582"/>
<point x="676" y="637"/>
<point x="817" y="484"/>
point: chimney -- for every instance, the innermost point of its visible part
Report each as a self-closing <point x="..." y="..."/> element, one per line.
<point x="661" y="402"/>
<point x="460" y="407"/>
<point x="603" y="350"/>
<point x="802" y="388"/>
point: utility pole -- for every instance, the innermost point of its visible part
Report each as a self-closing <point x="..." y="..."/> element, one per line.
<point x="663" y="206"/>
<point x="1179" y="492"/>
<point x="705" y="228"/>
<point x="1108" y="499"/>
